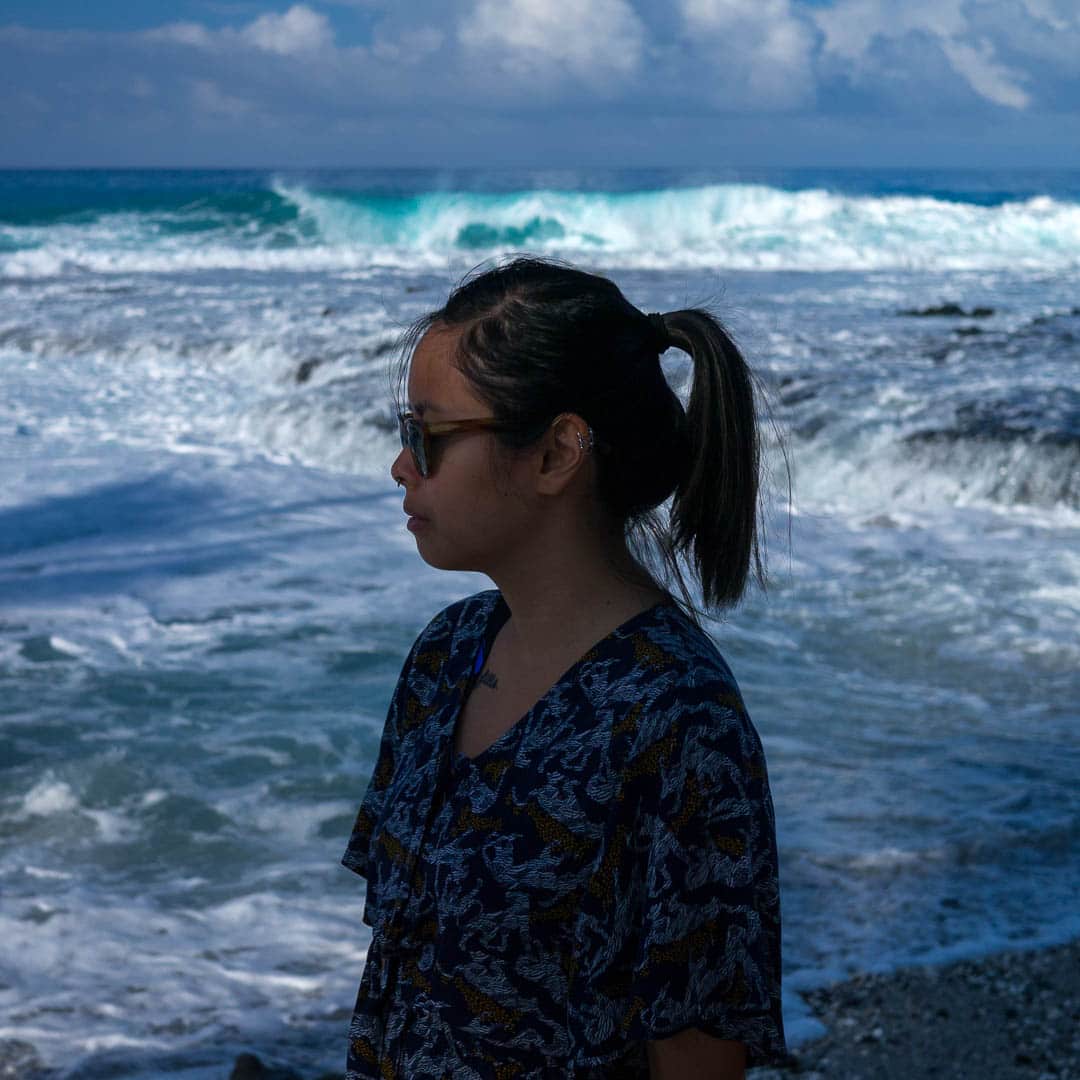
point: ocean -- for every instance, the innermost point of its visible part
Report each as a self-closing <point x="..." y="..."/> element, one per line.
<point x="207" y="590"/>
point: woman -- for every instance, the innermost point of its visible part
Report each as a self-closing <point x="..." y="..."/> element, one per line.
<point x="568" y="837"/>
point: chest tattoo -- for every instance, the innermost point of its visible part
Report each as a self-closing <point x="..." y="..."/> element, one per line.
<point x="489" y="679"/>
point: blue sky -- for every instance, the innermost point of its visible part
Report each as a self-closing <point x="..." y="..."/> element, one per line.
<point x="710" y="83"/>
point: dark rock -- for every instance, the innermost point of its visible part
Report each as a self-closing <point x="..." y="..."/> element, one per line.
<point x="303" y="372"/>
<point x="247" y="1067"/>
<point x="251" y="1067"/>
<point x="19" y="1061"/>
<point x="798" y="395"/>
<point x="380" y="348"/>
<point x="383" y="421"/>
<point x="40" y="650"/>
<point x="933" y="312"/>
<point x="950" y="311"/>
<point x="811" y="427"/>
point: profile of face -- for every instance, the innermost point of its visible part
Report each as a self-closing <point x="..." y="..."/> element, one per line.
<point x="472" y="511"/>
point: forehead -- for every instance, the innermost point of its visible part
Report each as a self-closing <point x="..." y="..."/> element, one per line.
<point x="436" y="386"/>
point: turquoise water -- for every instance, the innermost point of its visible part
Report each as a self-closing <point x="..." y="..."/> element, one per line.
<point x="797" y="220"/>
<point x="206" y="589"/>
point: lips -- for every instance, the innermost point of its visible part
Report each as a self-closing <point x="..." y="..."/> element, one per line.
<point x="415" y="521"/>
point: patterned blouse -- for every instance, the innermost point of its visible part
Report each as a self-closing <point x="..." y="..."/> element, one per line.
<point x="603" y="874"/>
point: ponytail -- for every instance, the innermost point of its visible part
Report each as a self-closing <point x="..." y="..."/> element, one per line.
<point x="714" y="513"/>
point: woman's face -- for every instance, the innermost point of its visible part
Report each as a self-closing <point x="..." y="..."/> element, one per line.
<point x="465" y="515"/>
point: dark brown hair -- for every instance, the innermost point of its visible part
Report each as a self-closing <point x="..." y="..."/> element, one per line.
<point x="540" y="338"/>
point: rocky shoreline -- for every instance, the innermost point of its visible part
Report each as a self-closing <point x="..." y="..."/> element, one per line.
<point x="1014" y="1016"/>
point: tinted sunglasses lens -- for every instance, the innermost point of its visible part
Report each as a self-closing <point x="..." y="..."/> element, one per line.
<point x="412" y="437"/>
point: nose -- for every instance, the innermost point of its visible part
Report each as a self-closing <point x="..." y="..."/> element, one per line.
<point x="403" y="469"/>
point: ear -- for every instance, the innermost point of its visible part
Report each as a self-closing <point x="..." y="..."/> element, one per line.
<point x="565" y="452"/>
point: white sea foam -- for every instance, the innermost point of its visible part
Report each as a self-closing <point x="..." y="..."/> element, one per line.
<point x="46" y="874"/>
<point x="49" y="796"/>
<point x="737" y="226"/>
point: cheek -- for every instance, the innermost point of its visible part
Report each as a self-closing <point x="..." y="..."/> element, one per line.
<point x="474" y="523"/>
<point x="479" y="518"/>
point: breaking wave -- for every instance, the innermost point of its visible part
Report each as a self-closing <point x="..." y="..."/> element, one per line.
<point x="293" y="226"/>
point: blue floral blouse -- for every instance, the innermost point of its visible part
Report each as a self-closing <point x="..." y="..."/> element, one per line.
<point x="603" y="874"/>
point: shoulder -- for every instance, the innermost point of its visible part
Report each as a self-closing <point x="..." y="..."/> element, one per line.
<point x="460" y="620"/>
<point x="453" y="634"/>
<point x="676" y="661"/>
<point x="684" y="688"/>
<point x="684" y="648"/>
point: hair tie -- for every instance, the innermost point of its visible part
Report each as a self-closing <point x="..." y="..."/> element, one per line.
<point x="661" y="337"/>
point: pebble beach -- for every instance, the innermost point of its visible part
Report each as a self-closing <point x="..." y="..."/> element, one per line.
<point x="1014" y="1016"/>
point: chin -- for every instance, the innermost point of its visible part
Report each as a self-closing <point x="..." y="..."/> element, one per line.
<point x="441" y="558"/>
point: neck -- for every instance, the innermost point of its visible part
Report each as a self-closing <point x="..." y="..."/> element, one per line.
<point x="570" y="588"/>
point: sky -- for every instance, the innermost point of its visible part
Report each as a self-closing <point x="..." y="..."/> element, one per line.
<point x="540" y="83"/>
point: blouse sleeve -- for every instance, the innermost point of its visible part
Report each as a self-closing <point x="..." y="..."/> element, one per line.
<point x="680" y="922"/>
<point x="371" y="809"/>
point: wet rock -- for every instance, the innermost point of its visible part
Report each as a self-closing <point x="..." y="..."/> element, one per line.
<point x="380" y="349"/>
<point x="1011" y="1017"/>
<point x="19" y="1061"/>
<point x="251" y="1067"/>
<point x="798" y="394"/>
<point x="303" y="372"/>
<point x="948" y="311"/>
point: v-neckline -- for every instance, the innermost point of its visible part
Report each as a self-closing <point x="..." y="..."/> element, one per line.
<point x="497" y="618"/>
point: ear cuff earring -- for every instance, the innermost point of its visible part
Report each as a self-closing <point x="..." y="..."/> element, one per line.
<point x="586" y="447"/>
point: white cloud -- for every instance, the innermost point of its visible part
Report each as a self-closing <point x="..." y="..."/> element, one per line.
<point x="507" y="80"/>
<point x="182" y="33"/>
<point x="759" y="52"/>
<point x="209" y="98"/>
<point x="410" y="47"/>
<point x="298" y="31"/>
<point x="851" y="27"/>
<point x="985" y="75"/>
<point x="596" y="41"/>
<point x="1060" y="14"/>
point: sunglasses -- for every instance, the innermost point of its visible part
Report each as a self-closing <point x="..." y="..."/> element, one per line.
<point x="417" y="437"/>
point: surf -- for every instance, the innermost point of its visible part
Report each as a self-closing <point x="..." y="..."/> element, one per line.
<point x="286" y="223"/>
